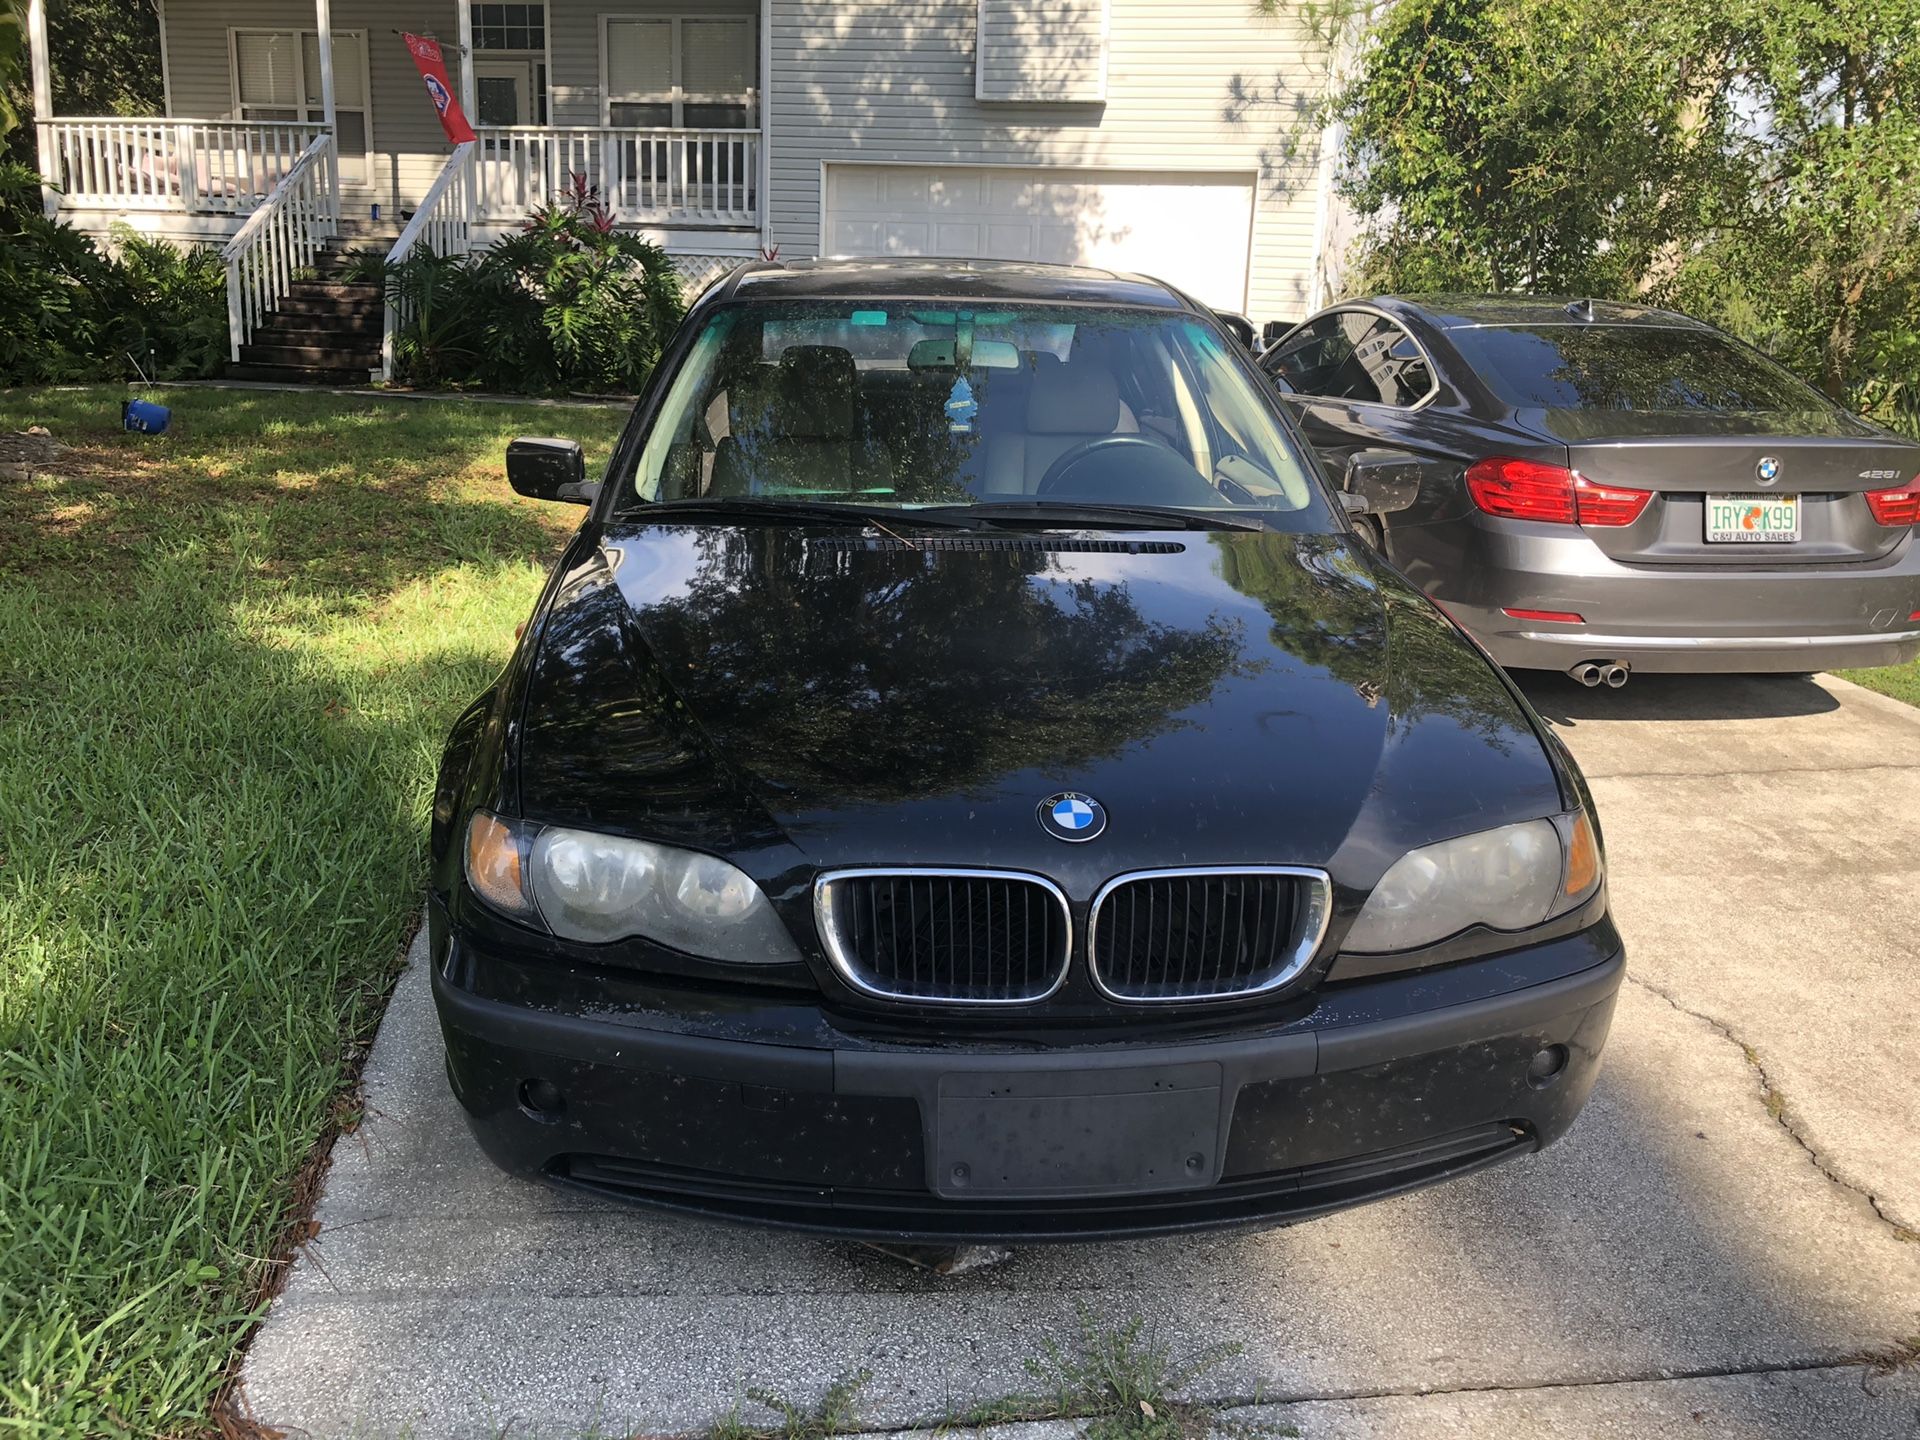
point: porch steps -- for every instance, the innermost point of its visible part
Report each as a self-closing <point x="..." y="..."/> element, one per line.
<point x="325" y="331"/>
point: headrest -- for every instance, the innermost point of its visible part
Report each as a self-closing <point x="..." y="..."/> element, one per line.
<point x="808" y="396"/>
<point x="1076" y="399"/>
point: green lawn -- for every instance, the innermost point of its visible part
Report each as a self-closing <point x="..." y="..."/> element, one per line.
<point x="1900" y="681"/>
<point x="227" y="658"/>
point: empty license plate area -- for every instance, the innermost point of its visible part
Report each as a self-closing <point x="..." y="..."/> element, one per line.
<point x="1753" y="519"/>
<point x="1077" y="1132"/>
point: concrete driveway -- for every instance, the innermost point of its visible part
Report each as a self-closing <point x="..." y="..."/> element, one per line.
<point x="1726" y="1234"/>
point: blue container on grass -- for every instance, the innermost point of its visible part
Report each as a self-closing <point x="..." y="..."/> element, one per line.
<point x="145" y="417"/>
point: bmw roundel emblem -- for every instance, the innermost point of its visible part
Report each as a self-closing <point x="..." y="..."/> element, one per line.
<point x="1768" y="470"/>
<point x="1072" y="816"/>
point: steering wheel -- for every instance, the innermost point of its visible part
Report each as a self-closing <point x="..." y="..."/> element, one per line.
<point x="1146" y="471"/>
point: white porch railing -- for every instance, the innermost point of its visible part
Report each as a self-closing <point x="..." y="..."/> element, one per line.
<point x="279" y="239"/>
<point x="660" y="177"/>
<point x="203" y="167"/>
<point x="443" y="224"/>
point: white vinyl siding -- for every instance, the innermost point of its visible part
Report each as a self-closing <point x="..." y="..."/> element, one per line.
<point x="1048" y="51"/>
<point x="1205" y="88"/>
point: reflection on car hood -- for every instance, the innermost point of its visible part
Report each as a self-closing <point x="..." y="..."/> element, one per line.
<point x="1229" y="696"/>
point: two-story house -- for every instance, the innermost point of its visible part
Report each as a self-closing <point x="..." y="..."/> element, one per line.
<point x="1147" y="135"/>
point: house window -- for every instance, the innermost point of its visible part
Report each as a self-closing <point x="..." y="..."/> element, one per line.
<point x="276" y="76"/>
<point x="695" y="72"/>
<point x="510" y="27"/>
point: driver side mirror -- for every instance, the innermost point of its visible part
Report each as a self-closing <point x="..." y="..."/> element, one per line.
<point x="1238" y="326"/>
<point x="1382" y="481"/>
<point x="544" y="469"/>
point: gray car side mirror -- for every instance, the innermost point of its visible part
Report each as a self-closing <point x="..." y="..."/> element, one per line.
<point x="1382" y="481"/>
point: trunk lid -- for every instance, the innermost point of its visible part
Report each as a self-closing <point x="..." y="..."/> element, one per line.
<point x="1686" y="459"/>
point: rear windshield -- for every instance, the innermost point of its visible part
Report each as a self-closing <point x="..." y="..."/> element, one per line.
<point x="1629" y="367"/>
<point x="931" y="403"/>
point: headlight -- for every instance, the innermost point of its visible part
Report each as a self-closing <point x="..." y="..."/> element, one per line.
<point x="1506" y="879"/>
<point x="596" y="888"/>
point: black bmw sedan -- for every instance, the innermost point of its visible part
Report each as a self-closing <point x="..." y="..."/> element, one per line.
<point x="965" y="779"/>
<point x="1613" y="488"/>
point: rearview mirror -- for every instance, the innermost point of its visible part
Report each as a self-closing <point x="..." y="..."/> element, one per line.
<point x="1384" y="480"/>
<point x="545" y="469"/>
<point x="1274" y="329"/>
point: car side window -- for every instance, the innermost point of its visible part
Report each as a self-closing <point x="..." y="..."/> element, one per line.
<point x="1396" y="372"/>
<point x="1308" y="357"/>
<point x="1352" y="355"/>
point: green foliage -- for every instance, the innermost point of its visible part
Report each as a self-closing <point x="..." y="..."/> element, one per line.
<point x="68" y="311"/>
<point x="104" y="60"/>
<point x="569" y="303"/>
<point x="1756" y="162"/>
<point x="13" y="63"/>
<point x="1526" y="143"/>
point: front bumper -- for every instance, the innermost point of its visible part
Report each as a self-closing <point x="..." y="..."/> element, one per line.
<point x="862" y="1140"/>
<point x="1661" y="618"/>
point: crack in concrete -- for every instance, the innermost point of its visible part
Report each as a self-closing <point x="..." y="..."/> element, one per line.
<point x="1775" y="1100"/>
<point x="1863" y="1366"/>
<point x="1738" y="774"/>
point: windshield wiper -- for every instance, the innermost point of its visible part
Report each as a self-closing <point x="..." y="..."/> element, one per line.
<point x="1081" y="512"/>
<point x="787" y="511"/>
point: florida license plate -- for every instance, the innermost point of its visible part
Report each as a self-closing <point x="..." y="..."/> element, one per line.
<point x="1753" y="519"/>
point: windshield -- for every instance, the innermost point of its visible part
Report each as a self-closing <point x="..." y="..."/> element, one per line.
<point x="1629" y="367"/>
<point x="925" y="404"/>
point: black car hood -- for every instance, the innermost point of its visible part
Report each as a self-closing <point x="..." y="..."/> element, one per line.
<point x="820" y="698"/>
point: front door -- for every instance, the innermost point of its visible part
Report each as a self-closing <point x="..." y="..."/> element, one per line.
<point x="503" y="92"/>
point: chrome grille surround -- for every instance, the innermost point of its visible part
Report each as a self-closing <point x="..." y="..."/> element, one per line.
<point x="1311" y="898"/>
<point x="835" y="889"/>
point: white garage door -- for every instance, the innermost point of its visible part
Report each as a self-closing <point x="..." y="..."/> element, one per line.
<point x="1189" y="230"/>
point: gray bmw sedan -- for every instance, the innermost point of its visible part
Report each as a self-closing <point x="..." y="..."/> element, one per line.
<point x="1608" y="488"/>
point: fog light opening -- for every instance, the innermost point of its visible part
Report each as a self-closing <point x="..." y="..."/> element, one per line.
<point x="1546" y="1066"/>
<point x="541" y="1100"/>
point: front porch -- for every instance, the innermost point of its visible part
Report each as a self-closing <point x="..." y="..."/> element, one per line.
<point x="200" y="179"/>
<point x="294" y="123"/>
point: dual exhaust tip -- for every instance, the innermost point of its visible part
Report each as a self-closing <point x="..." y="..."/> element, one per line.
<point x="1590" y="673"/>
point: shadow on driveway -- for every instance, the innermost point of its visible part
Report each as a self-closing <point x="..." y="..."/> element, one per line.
<point x="1565" y="701"/>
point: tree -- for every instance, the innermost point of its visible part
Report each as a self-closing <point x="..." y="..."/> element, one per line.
<point x="105" y="57"/>
<point x="1754" y="161"/>
<point x="1816" y="252"/>
<point x="1526" y="144"/>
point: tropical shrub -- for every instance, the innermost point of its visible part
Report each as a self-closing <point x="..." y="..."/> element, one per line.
<point x="71" y="311"/>
<point x="567" y="303"/>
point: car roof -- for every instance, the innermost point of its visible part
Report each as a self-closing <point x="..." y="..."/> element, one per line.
<point x="932" y="277"/>
<point x="1459" y="312"/>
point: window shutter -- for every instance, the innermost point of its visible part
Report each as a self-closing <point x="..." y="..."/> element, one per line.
<point x="716" y="57"/>
<point x="264" y="68"/>
<point x="639" y="57"/>
<point x="1042" y="51"/>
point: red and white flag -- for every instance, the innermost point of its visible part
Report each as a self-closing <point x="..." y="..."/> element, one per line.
<point x="432" y="66"/>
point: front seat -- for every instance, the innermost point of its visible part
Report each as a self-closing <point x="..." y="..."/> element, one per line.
<point x="1070" y="402"/>
<point x="797" y="429"/>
